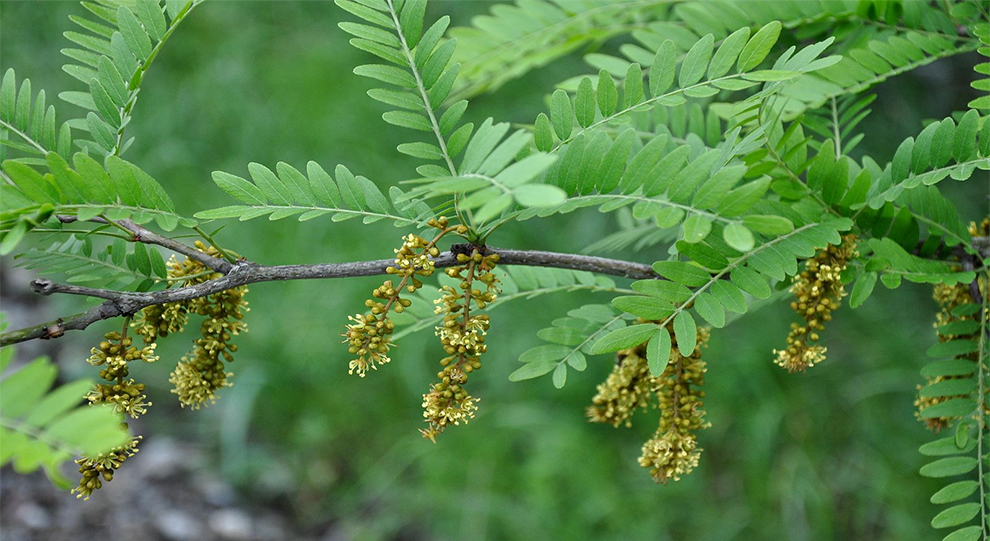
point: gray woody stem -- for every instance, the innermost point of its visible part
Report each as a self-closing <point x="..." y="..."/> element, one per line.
<point x="122" y="303"/>
<point x="147" y="236"/>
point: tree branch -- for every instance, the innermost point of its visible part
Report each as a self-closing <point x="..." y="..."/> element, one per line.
<point x="123" y="303"/>
<point x="146" y="236"/>
<point x="600" y="265"/>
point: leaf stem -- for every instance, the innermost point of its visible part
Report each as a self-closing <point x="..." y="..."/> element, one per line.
<point x="26" y="137"/>
<point x="981" y="412"/>
<point x="82" y="232"/>
<point x="125" y="111"/>
<point x="209" y="238"/>
<point x="425" y="96"/>
<point x="118" y="226"/>
<point x="726" y="270"/>
<point x="835" y="128"/>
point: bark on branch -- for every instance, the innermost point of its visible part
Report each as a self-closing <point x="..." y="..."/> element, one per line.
<point x="147" y="236"/>
<point x="122" y="303"/>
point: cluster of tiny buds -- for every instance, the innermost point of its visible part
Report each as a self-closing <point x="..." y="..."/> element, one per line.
<point x="161" y="320"/>
<point x="413" y="258"/>
<point x="368" y="335"/>
<point x="196" y="377"/>
<point x="629" y="387"/>
<point x="102" y="465"/>
<point x="202" y="372"/>
<point x="981" y="229"/>
<point x="462" y="336"/>
<point x="818" y="291"/>
<point x="125" y="395"/>
<point x="448" y="403"/>
<point x="673" y="451"/>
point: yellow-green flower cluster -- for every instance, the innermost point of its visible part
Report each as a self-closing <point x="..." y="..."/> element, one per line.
<point x="162" y="320"/>
<point x="102" y="465"/>
<point x="981" y="229"/>
<point x="629" y="387"/>
<point x="462" y="335"/>
<point x="125" y="395"/>
<point x="202" y="372"/>
<point x="818" y="290"/>
<point x="368" y="335"/>
<point x="447" y="404"/>
<point x="197" y="376"/>
<point x="673" y="451"/>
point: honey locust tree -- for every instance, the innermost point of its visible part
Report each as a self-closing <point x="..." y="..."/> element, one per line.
<point x="721" y="131"/>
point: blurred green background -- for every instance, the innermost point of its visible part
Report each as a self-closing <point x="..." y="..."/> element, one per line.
<point x="831" y="454"/>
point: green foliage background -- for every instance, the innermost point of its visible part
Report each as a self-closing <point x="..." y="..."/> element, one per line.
<point x="831" y="454"/>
